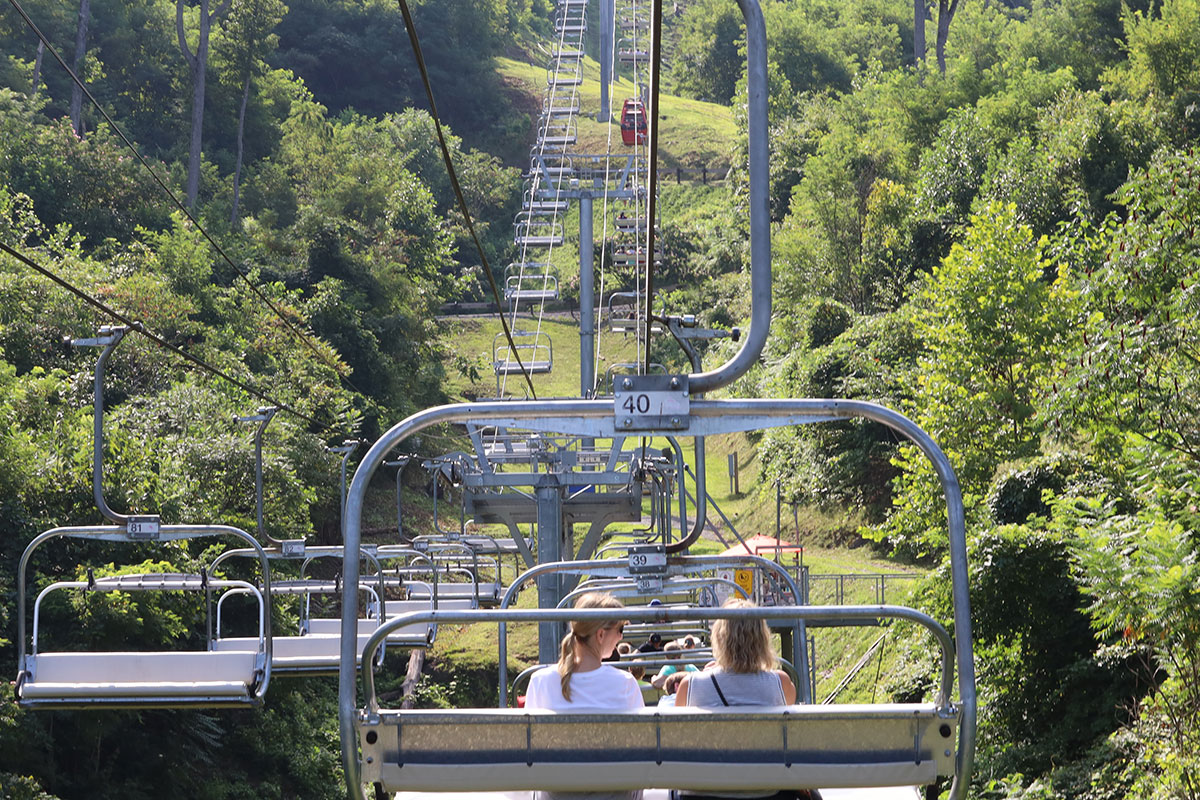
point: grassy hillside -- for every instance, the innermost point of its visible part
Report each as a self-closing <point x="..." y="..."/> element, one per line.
<point x="694" y="133"/>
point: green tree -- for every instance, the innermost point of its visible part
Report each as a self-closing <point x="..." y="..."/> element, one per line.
<point x="250" y="37"/>
<point x="990" y="321"/>
<point x="706" y="64"/>
<point x="1132" y="366"/>
<point x="1163" y="67"/>
<point x="197" y="63"/>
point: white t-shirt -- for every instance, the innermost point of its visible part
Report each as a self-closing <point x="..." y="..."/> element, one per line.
<point x="605" y="689"/>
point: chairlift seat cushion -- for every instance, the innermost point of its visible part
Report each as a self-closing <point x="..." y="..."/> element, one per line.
<point x="313" y="652"/>
<point x="461" y="591"/>
<point x="115" y="675"/>
<point x="446" y="602"/>
<point x="512" y="368"/>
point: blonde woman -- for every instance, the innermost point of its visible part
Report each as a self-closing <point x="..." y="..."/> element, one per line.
<point x="745" y="673"/>
<point x="581" y="679"/>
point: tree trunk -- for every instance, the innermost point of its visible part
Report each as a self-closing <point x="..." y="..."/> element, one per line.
<point x="199" y="79"/>
<point x="416" y="663"/>
<point x="945" y="15"/>
<point x="85" y="14"/>
<point x="237" y="169"/>
<point x="37" y="69"/>
<point x="199" y="66"/>
<point x="918" y="32"/>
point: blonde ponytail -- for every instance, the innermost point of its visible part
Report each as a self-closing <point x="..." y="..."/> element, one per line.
<point x="581" y="634"/>
<point x="566" y="663"/>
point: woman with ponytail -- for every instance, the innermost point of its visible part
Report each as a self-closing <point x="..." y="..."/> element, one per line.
<point x="581" y="680"/>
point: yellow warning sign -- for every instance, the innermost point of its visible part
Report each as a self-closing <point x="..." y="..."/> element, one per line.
<point x="745" y="579"/>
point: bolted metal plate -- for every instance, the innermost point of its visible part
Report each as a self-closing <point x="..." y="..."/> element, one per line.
<point x="144" y="528"/>
<point x="651" y="402"/>
<point x="292" y="548"/>
<point x="648" y="559"/>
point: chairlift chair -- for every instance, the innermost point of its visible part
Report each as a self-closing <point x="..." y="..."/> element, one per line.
<point x="567" y="74"/>
<point x="314" y="649"/>
<point x="630" y="255"/>
<point x="555" y="105"/>
<point x="538" y="233"/>
<point x="570" y="20"/>
<point x="630" y="225"/>
<point x="634" y="129"/>
<point x="622" y="318"/>
<point x="740" y="749"/>
<point x="533" y="348"/>
<point x="143" y="679"/>
<point x="538" y="206"/>
<point x="633" y="18"/>
<point x="632" y="51"/>
<point x="530" y="282"/>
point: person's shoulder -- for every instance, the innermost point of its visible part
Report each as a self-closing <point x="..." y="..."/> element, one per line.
<point x="611" y="676"/>
<point x="613" y="673"/>
<point x="543" y="674"/>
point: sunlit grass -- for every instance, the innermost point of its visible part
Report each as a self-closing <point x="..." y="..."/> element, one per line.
<point x="693" y="133"/>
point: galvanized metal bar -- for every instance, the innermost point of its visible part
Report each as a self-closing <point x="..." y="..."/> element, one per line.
<point x="109" y="338"/>
<point x="605" y="56"/>
<point x="760" y="217"/>
<point x="550" y="534"/>
<point x="587" y="282"/>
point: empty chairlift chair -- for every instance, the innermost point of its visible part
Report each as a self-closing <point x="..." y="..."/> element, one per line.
<point x="534" y="350"/>
<point x="564" y="103"/>
<point x="418" y="575"/>
<point x="571" y="20"/>
<point x="567" y="52"/>
<point x="536" y="232"/>
<point x="567" y="74"/>
<point x="549" y="168"/>
<point x="557" y="133"/>
<point x="530" y="282"/>
<point x="458" y="558"/>
<point x="536" y="205"/>
<point x="313" y="649"/>
<point x="144" y="678"/>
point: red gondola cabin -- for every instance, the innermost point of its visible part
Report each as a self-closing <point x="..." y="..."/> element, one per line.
<point x="633" y="122"/>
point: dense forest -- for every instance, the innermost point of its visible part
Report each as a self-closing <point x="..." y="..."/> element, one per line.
<point x="984" y="217"/>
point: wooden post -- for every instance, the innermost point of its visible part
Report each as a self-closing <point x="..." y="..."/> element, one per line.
<point x="408" y="689"/>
